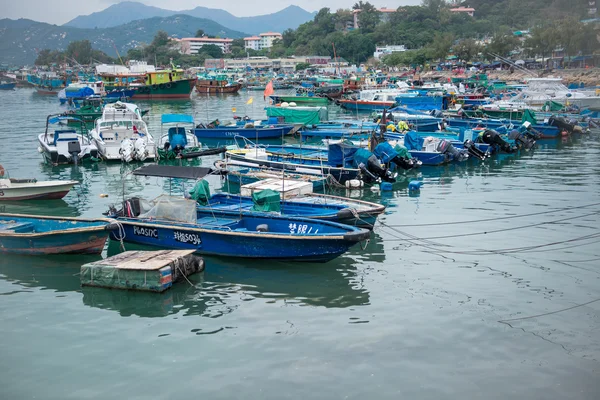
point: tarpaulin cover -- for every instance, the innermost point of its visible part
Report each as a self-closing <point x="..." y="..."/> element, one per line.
<point x="413" y="141"/>
<point x="299" y="115"/>
<point x="402" y="151"/>
<point x="529" y="116"/>
<point x="173" y="118"/>
<point x="266" y="201"/>
<point x="201" y="192"/>
<point x="385" y="152"/>
<point x="361" y="157"/>
<point x="341" y="153"/>
<point x="79" y="93"/>
<point x="552" y="106"/>
<point x="172" y="208"/>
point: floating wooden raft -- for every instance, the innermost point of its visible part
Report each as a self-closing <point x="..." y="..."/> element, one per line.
<point x="153" y="271"/>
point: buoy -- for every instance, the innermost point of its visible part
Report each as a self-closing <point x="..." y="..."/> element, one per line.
<point x="415" y="185"/>
<point x="103" y="195"/>
<point x="354" y="183"/>
<point x="385" y="186"/>
<point x="285" y="104"/>
<point x="292" y="104"/>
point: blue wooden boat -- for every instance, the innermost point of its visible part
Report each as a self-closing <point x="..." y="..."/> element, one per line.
<point x="8" y="86"/>
<point x="40" y="235"/>
<point x="314" y="206"/>
<point x="547" y="131"/>
<point x="240" y="174"/>
<point x="175" y="223"/>
<point x="250" y="131"/>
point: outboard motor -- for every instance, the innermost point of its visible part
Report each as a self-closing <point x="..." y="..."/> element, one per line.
<point x="492" y="137"/>
<point x="522" y="140"/>
<point x="437" y="113"/>
<point x="474" y="151"/>
<point x="560" y="123"/>
<point x="406" y="163"/>
<point x="372" y="170"/>
<point x="74" y="148"/>
<point x="446" y="148"/>
<point x="130" y="208"/>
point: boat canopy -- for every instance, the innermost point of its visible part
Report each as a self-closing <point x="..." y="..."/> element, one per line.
<point x="62" y="118"/>
<point x="173" y="118"/>
<point x="171" y="171"/>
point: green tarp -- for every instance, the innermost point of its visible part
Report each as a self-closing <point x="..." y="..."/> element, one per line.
<point x="299" y="115"/>
<point x="402" y="151"/>
<point x="201" y="192"/>
<point x="552" y="106"/>
<point x="529" y="116"/>
<point x="266" y="201"/>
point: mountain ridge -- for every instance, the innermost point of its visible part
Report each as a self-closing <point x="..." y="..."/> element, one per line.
<point x="128" y="11"/>
<point x="21" y="39"/>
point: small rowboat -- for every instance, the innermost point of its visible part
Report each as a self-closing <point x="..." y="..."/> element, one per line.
<point x="30" y="189"/>
<point x="39" y="235"/>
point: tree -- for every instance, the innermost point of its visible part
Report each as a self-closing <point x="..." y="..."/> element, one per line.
<point x="434" y="5"/>
<point x="440" y="45"/>
<point x="368" y="18"/>
<point x="212" y="50"/>
<point x="543" y="41"/>
<point x="502" y="44"/>
<point x="160" y="39"/>
<point x="200" y="33"/>
<point x="302" y="66"/>
<point x="466" y="49"/>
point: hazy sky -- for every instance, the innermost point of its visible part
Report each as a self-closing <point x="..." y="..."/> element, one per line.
<point x="61" y="11"/>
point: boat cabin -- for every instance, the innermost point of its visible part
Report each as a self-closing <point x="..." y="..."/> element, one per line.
<point x="164" y="76"/>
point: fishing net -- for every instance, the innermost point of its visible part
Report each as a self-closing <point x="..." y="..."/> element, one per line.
<point x="172" y="208"/>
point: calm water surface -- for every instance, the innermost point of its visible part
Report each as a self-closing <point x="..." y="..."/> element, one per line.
<point x="414" y="315"/>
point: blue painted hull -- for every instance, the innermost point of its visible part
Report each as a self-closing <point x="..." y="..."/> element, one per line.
<point x="120" y="94"/>
<point x="33" y="235"/>
<point x="547" y="131"/>
<point x="223" y="237"/>
<point x="249" y="133"/>
<point x="231" y="205"/>
<point x="8" y="86"/>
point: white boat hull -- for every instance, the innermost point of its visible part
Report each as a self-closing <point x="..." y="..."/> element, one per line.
<point x="23" y="189"/>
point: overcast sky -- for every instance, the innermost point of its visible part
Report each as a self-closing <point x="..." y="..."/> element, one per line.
<point x="61" y="11"/>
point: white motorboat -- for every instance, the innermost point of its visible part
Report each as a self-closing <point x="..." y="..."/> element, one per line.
<point x="541" y="90"/>
<point x="30" y="189"/>
<point x="121" y="134"/>
<point x="65" y="145"/>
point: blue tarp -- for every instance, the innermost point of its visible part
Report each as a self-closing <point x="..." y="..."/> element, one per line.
<point x="361" y="157"/>
<point x="57" y="119"/>
<point x="172" y="118"/>
<point x="80" y="93"/>
<point x="412" y="141"/>
<point x="385" y="152"/>
<point x="341" y="153"/>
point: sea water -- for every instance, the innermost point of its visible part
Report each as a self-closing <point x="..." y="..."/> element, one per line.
<point x="482" y="285"/>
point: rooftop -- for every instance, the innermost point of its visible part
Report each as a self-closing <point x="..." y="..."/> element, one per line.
<point x="252" y="38"/>
<point x="202" y="39"/>
<point x="270" y="34"/>
<point x="462" y="9"/>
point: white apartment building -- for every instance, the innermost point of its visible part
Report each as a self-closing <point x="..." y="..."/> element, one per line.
<point x="385" y="50"/>
<point x="193" y="45"/>
<point x="262" y="41"/>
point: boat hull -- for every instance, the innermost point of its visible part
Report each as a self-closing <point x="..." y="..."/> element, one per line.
<point x="240" y="245"/>
<point x="81" y="240"/>
<point x="203" y="88"/>
<point x="8" y="86"/>
<point x="35" y="193"/>
<point x="362" y="105"/>
<point x="249" y="133"/>
<point x="171" y="90"/>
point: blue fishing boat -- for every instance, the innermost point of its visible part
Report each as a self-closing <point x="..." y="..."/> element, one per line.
<point x="248" y="131"/>
<point x="312" y="205"/>
<point x="41" y="235"/>
<point x="174" y="222"/>
<point x="239" y="173"/>
<point x="547" y="131"/>
<point x="8" y="85"/>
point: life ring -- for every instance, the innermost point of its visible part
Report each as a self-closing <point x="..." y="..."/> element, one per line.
<point x="154" y="87"/>
<point x="161" y="86"/>
<point x="168" y="85"/>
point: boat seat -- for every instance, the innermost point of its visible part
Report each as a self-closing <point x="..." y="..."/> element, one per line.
<point x="16" y="227"/>
<point x="65" y="137"/>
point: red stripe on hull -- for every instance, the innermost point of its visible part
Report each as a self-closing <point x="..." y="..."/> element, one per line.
<point x="92" y="247"/>
<point x="41" y="196"/>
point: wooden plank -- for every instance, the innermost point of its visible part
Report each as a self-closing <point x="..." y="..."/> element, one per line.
<point x="147" y="260"/>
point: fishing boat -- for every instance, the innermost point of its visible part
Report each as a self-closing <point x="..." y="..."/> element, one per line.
<point x="178" y="141"/>
<point x="66" y="146"/>
<point x="217" y="85"/>
<point x="42" y="235"/>
<point x="165" y="84"/>
<point x="370" y="100"/>
<point x="8" y="85"/>
<point x="121" y="134"/>
<point x="174" y="222"/>
<point x="12" y="189"/>
<point x="302" y="100"/>
<point x="250" y="130"/>
<point x="80" y="91"/>
<point x="310" y="205"/>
